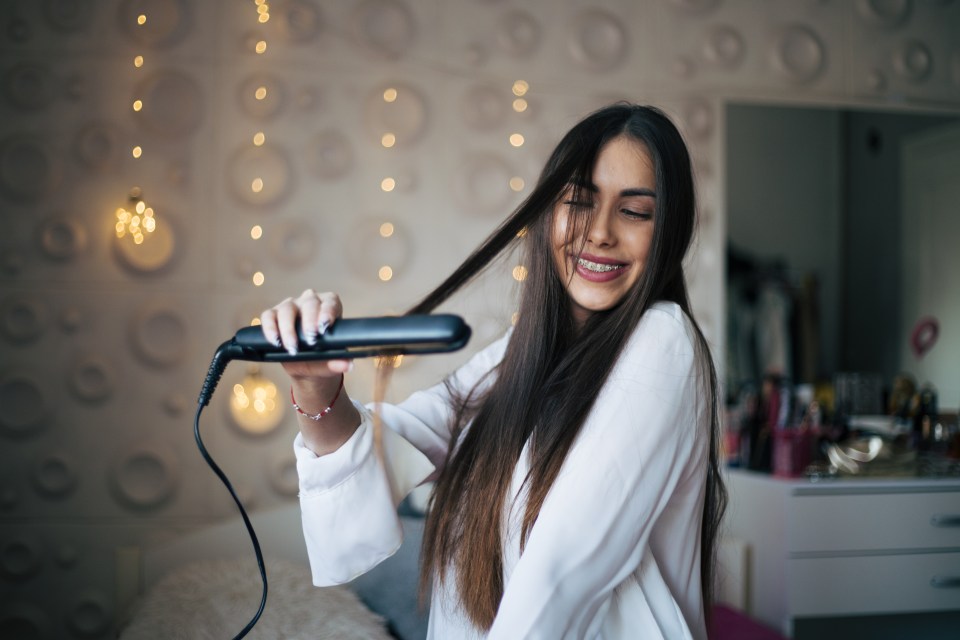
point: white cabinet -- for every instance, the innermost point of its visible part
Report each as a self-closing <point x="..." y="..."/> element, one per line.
<point x="850" y="547"/>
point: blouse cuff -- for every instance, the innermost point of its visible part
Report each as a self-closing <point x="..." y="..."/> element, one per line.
<point x="353" y="495"/>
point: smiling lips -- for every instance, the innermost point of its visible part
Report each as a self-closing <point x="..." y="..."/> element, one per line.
<point x="597" y="269"/>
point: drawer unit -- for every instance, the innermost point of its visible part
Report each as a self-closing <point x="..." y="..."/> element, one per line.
<point x="874" y="522"/>
<point x="873" y="584"/>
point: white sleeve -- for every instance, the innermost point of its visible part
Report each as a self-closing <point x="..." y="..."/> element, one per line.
<point x="349" y="497"/>
<point x="593" y="530"/>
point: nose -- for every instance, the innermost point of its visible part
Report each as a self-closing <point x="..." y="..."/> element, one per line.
<point x="601" y="232"/>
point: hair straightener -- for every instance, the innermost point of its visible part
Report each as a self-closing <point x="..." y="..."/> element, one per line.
<point x="346" y="338"/>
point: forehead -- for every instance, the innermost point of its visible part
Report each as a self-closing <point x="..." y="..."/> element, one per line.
<point x="624" y="160"/>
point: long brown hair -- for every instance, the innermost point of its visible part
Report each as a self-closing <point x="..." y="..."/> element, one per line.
<point x="552" y="372"/>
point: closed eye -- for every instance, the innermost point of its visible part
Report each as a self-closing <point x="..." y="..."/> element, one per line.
<point x="637" y="215"/>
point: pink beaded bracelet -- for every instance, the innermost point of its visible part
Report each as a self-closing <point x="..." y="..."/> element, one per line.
<point x="317" y="416"/>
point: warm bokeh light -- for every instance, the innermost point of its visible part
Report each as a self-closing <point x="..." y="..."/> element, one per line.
<point x="519" y="273"/>
<point x="253" y="405"/>
<point x="516" y="139"/>
<point x="138" y="61"/>
<point x="261" y="46"/>
<point x="388" y="184"/>
<point x="141" y="19"/>
<point x="137" y="105"/>
<point x="519" y="105"/>
<point x="388" y="140"/>
<point x="520" y="88"/>
<point x="136" y="220"/>
<point x="256" y="232"/>
<point x="137" y="151"/>
<point x="255" y="322"/>
<point x="385" y="273"/>
<point x="264" y="17"/>
<point x="259" y="138"/>
<point x="517" y="183"/>
<point x="258" y="278"/>
<point x="257" y="185"/>
<point x="386" y="229"/>
<point x="390" y="95"/>
<point x="260" y="93"/>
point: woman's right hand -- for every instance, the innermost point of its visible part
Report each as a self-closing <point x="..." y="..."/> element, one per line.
<point x="316" y="312"/>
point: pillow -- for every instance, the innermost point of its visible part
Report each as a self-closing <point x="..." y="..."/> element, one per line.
<point x="216" y="599"/>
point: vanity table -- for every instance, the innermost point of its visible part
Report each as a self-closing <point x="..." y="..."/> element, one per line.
<point x="878" y="551"/>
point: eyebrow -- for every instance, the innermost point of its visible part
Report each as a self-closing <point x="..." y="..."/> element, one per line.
<point x="626" y="193"/>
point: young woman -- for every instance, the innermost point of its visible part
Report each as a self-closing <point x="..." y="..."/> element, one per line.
<point x="577" y="489"/>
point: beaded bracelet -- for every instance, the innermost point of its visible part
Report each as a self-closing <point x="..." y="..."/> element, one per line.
<point x="317" y="416"/>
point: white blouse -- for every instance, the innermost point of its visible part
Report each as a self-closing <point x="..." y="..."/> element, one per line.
<point x="615" y="550"/>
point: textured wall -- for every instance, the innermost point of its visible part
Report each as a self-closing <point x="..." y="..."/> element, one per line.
<point x="104" y="342"/>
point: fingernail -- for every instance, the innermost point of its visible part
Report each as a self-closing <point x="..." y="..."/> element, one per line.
<point x="278" y="342"/>
<point x="311" y="339"/>
<point x="350" y="367"/>
<point x="323" y="326"/>
<point x="292" y="349"/>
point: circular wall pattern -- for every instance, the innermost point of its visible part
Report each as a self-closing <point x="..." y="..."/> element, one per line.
<point x="28" y="86"/>
<point x="23" y="319"/>
<point x="482" y="183"/>
<point x="371" y="246"/>
<point x="328" y="155"/>
<point x="95" y="145"/>
<point x="484" y="107"/>
<point x="145" y="475"/>
<point x="20" y="558"/>
<point x="399" y="109"/>
<point x="698" y="119"/>
<point x="67" y="16"/>
<point x="27" y="168"/>
<point x="598" y="41"/>
<point x="156" y="252"/>
<point x="92" y="378"/>
<point x="24" y="406"/>
<point x="24" y="620"/>
<point x="798" y="54"/>
<point x="168" y="22"/>
<point x="724" y="47"/>
<point x="61" y="238"/>
<point x="159" y="335"/>
<point x="175" y="404"/>
<point x="299" y="21"/>
<point x="884" y="13"/>
<point x="283" y="475"/>
<point x="384" y="27"/>
<point x="293" y="243"/>
<point x="55" y="475"/>
<point x="260" y="176"/>
<point x="518" y="33"/>
<point x="172" y="103"/>
<point x="89" y="614"/>
<point x="262" y="95"/>
<point x="913" y="61"/>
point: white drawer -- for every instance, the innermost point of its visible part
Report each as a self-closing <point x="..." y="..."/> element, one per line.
<point x="873" y="584"/>
<point x="873" y="522"/>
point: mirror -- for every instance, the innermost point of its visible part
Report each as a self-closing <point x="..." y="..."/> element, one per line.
<point x="820" y="247"/>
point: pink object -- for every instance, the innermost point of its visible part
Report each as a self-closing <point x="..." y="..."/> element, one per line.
<point x="793" y="450"/>
<point x="924" y="335"/>
<point x="730" y="624"/>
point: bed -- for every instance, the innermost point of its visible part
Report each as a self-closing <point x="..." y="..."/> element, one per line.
<point x="206" y="585"/>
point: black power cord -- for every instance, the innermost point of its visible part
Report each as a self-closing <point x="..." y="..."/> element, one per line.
<point x="217" y="366"/>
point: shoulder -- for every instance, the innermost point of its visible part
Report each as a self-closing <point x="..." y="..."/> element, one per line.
<point x="663" y="343"/>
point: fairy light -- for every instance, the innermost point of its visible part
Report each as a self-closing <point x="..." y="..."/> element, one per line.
<point x="138" y="61"/>
<point x="517" y="183"/>
<point x="519" y="273"/>
<point x="519" y="105"/>
<point x="257" y="185"/>
<point x="254" y="404"/>
<point x="256" y="232"/>
<point x="260" y="93"/>
<point x="520" y="88"/>
<point x="137" y="151"/>
<point x="390" y="95"/>
<point x="137" y="105"/>
<point x="259" y="138"/>
<point x="388" y="184"/>
<point x="388" y="140"/>
<point x="261" y="46"/>
<point x="258" y="279"/>
<point x="136" y="220"/>
<point x="386" y="230"/>
<point x="142" y="19"/>
<point x="385" y="273"/>
<point x="516" y="140"/>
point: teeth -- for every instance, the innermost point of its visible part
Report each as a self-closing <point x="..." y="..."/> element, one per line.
<point x="599" y="268"/>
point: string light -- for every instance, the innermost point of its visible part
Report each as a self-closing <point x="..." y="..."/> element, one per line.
<point x="520" y="88"/>
<point x="388" y="140"/>
<point x="136" y="220"/>
<point x="386" y="230"/>
<point x="138" y="61"/>
<point x="258" y="279"/>
<point x="254" y="403"/>
<point x="385" y="273"/>
<point x="517" y="183"/>
<point x="256" y="232"/>
<point x="261" y="46"/>
<point x="519" y="105"/>
<point x="390" y="95"/>
<point x="388" y="184"/>
<point x="259" y="138"/>
<point x="516" y="139"/>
